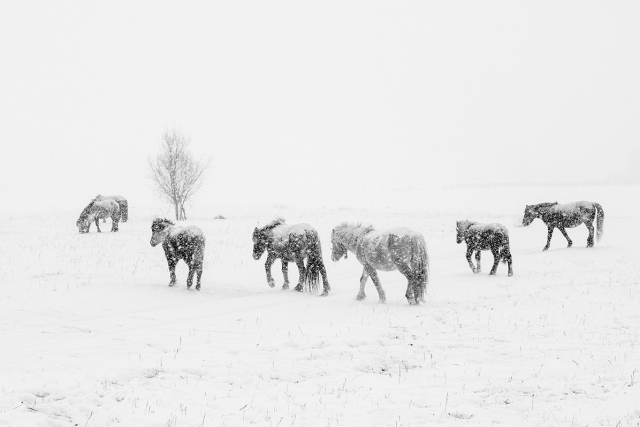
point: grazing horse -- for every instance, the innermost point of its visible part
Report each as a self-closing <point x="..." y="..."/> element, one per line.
<point x="292" y="243"/>
<point x="180" y="244"/>
<point x="392" y="249"/>
<point x="483" y="237"/>
<point x="568" y="215"/>
<point x="96" y="210"/>
<point x="122" y="202"/>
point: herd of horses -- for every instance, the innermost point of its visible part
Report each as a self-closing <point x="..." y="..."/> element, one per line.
<point x="398" y="248"/>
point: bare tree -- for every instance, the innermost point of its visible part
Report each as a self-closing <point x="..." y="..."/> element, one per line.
<point x="176" y="174"/>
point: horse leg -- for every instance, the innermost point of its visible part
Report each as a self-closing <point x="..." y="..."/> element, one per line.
<point x="267" y="266"/>
<point x="301" y="271"/>
<point x="566" y="236"/>
<point x="325" y="283"/>
<point x="469" y="253"/>
<point x="114" y="225"/>
<point x="285" y="273"/>
<point x="496" y="259"/>
<point x="412" y="294"/>
<point x="198" y="260"/>
<point x="98" y="225"/>
<point x="199" y="273"/>
<point x="589" y="225"/>
<point x="477" y="262"/>
<point x="549" y="234"/>
<point x="190" y="276"/>
<point x="172" y="270"/>
<point x="363" y="281"/>
<point x="374" y="276"/>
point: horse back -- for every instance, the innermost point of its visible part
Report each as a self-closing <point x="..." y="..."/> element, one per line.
<point x="486" y="236"/>
<point x="185" y="242"/>
<point x="569" y="214"/>
<point x="382" y="248"/>
<point x="295" y="241"/>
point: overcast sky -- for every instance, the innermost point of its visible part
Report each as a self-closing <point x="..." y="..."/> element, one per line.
<point x="332" y="96"/>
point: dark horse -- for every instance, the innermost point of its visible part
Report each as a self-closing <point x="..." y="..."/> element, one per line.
<point x="96" y="210"/>
<point x="393" y="249"/>
<point x="180" y="243"/>
<point x="121" y="201"/>
<point x="292" y="243"/>
<point x="564" y="216"/>
<point x="483" y="237"/>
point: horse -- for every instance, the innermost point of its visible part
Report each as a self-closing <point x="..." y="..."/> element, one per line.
<point x="180" y="244"/>
<point x="122" y="202"/>
<point x="568" y="215"/>
<point x="96" y="210"/>
<point x="482" y="237"/>
<point x="292" y="243"/>
<point x="398" y="248"/>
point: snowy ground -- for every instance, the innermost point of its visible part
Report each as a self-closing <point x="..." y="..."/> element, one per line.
<point x="92" y="336"/>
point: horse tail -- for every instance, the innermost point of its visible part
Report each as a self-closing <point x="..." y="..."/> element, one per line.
<point x="116" y="213"/>
<point x="420" y="261"/>
<point x="314" y="265"/>
<point x="124" y="210"/>
<point x="599" y="221"/>
<point x="505" y="252"/>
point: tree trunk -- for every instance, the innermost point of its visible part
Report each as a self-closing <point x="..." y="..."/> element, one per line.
<point x="175" y="204"/>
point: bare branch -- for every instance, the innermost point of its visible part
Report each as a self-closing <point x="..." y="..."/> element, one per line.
<point x="177" y="175"/>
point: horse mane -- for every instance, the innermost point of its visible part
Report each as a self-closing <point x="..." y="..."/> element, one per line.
<point x="544" y="205"/>
<point x="465" y="223"/>
<point x="158" y="222"/>
<point x="350" y="233"/>
<point x="273" y="224"/>
<point x="85" y="212"/>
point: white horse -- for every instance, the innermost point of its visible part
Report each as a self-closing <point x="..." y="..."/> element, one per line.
<point x="99" y="210"/>
<point x="398" y="248"/>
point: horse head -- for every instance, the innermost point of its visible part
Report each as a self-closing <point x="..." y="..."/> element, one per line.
<point x="83" y="225"/>
<point x="259" y="243"/>
<point x="338" y="250"/>
<point x="530" y="213"/>
<point x="461" y="230"/>
<point x="160" y="229"/>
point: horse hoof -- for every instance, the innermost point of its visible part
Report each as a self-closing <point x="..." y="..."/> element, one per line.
<point x="285" y="286"/>
<point x="360" y="297"/>
<point x="510" y="274"/>
<point x="172" y="284"/>
<point x="324" y="294"/>
<point x="382" y="300"/>
<point x="545" y="248"/>
<point x="272" y="284"/>
<point x="298" y="288"/>
<point x="493" y="273"/>
<point x="197" y="287"/>
<point x="476" y="271"/>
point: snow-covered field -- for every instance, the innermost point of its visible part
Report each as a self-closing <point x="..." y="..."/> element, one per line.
<point x="90" y="334"/>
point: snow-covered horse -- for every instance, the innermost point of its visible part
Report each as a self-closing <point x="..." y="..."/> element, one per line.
<point x="180" y="243"/>
<point x="292" y="243"/>
<point x="96" y="210"/>
<point x="122" y="202"/>
<point x="483" y="237"/>
<point x="392" y="249"/>
<point x="568" y="215"/>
